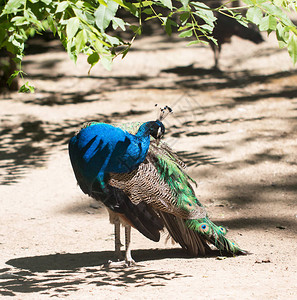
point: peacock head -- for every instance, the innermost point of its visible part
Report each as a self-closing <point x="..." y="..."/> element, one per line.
<point x="156" y="129"/>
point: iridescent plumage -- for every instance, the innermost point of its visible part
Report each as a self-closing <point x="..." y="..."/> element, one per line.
<point x="149" y="192"/>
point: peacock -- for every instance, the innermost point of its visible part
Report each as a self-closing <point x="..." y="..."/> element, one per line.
<point x="226" y="26"/>
<point x="143" y="184"/>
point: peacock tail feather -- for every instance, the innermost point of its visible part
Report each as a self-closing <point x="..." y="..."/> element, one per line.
<point x="175" y="176"/>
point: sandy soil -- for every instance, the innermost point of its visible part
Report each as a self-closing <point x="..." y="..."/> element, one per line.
<point x="236" y="129"/>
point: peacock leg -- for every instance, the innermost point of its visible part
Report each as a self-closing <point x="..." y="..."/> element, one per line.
<point x="120" y="263"/>
<point x="128" y="258"/>
<point x="117" y="239"/>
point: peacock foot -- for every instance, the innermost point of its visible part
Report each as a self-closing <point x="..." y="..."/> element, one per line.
<point x="130" y="262"/>
<point x="120" y="264"/>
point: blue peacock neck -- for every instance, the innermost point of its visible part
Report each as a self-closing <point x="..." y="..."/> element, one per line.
<point x="144" y="129"/>
<point x="156" y="129"/>
<point x="136" y="151"/>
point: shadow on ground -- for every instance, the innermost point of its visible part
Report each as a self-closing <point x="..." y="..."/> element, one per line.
<point x="63" y="273"/>
<point x="27" y="143"/>
<point x="187" y="78"/>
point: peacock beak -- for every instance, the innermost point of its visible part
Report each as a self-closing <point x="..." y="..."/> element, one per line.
<point x="159" y="133"/>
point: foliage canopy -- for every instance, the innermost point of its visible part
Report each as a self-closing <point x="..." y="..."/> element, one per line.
<point x="90" y="26"/>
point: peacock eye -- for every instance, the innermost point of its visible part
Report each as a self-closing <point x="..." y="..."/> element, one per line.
<point x="203" y="226"/>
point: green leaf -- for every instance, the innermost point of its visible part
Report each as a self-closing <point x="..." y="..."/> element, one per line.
<point x="47" y="2"/>
<point x="72" y="27"/>
<point x="80" y="40"/>
<point x="153" y="17"/>
<point x="93" y="59"/>
<point x="211" y="38"/>
<point x="188" y="25"/>
<point x="114" y="41"/>
<point x="17" y="44"/>
<point x="145" y="3"/>
<point x="26" y="88"/>
<point x="254" y="14"/>
<point x="186" y="33"/>
<point x="292" y="48"/>
<point x="241" y="20"/>
<point x="117" y="22"/>
<point x="102" y="2"/>
<point x="125" y="52"/>
<point x="282" y="35"/>
<point x="51" y="25"/>
<point x="104" y="14"/>
<point x="136" y="29"/>
<point x="168" y="24"/>
<point x="273" y="10"/>
<point x="97" y="42"/>
<point x="268" y="23"/>
<point x="120" y="3"/>
<point x="194" y="42"/>
<point x="147" y="11"/>
<point x="204" y="12"/>
<point x="206" y="27"/>
<point x="12" y="6"/>
<point x="71" y="50"/>
<point x="278" y="2"/>
<point x="167" y="3"/>
<point x="13" y="76"/>
<point x="62" y="6"/>
<point x="106" y="62"/>
<point x="20" y="21"/>
<point x="132" y="8"/>
<point x="185" y="3"/>
<point x="184" y="17"/>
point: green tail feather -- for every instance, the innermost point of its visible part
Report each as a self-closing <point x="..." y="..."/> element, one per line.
<point x="171" y="171"/>
<point x="214" y="234"/>
<point x="173" y="174"/>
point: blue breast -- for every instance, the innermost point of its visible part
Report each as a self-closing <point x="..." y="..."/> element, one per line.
<point x="102" y="148"/>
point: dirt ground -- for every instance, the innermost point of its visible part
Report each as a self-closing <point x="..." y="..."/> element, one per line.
<point x="236" y="129"/>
